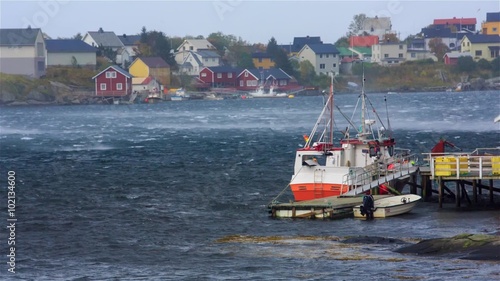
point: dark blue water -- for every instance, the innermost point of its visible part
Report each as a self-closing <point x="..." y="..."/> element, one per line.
<point x="178" y="191"/>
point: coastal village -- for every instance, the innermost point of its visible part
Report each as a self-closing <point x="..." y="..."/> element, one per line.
<point x="153" y="67"/>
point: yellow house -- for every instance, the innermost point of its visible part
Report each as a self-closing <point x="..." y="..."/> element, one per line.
<point x="492" y="24"/>
<point x="262" y="61"/>
<point x="151" y="66"/>
<point x="481" y="46"/>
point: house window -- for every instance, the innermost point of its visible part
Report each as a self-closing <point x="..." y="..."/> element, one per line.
<point x="401" y="47"/>
<point x="203" y="74"/>
<point x="102" y="86"/>
<point x="322" y="66"/>
<point x="327" y="55"/>
<point x="413" y="55"/>
<point x="495" y="53"/>
<point x="494" y="29"/>
<point x="334" y="55"/>
<point x="400" y="55"/>
<point x="321" y="56"/>
<point x="396" y="61"/>
<point x="282" y="83"/>
<point x="334" y="65"/>
<point x="251" y="82"/>
<point x="479" y="53"/>
<point x="230" y="75"/>
<point x="219" y="75"/>
<point x="260" y="59"/>
<point x="246" y="74"/>
<point x="119" y="86"/>
<point x="111" y="74"/>
<point x="386" y="55"/>
<point x="468" y="44"/>
<point x="191" y="48"/>
<point x="213" y="59"/>
<point x="41" y="66"/>
<point x="242" y="83"/>
<point x="206" y="60"/>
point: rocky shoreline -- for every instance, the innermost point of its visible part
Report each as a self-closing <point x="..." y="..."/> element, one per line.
<point x="464" y="246"/>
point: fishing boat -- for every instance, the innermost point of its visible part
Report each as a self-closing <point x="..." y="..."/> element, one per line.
<point x="389" y="206"/>
<point x="260" y="92"/>
<point x="323" y="169"/>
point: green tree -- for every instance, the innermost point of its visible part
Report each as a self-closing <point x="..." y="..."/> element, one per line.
<point x="221" y="41"/>
<point x="272" y="47"/>
<point x="279" y="56"/>
<point x="245" y="61"/>
<point x="438" y="48"/>
<point x="357" y="24"/>
<point x="495" y="65"/>
<point x="484" y="64"/>
<point x="342" y="42"/>
<point x="466" y="64"/>
<point x="306" y="73"/>
<point x="78" y="36"/>
<point x="155" y="43"/>
<point x="390" y="38"/>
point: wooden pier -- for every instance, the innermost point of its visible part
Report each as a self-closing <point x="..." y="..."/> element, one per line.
<point x="467" y="172"/>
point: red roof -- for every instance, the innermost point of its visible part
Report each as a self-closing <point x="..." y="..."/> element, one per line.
<point x="464" y="21"/>
<point x="363" y="41"/>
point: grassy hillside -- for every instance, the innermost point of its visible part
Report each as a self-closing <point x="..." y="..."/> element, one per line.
<point x="417" y="76"/>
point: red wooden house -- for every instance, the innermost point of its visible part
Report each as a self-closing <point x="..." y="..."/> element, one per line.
<point x="113" y="82"/>
<point x="250" y="79"/>
<point x="219" y="76"/>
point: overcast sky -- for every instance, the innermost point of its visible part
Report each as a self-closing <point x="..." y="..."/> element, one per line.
<point x="253" y="21"/>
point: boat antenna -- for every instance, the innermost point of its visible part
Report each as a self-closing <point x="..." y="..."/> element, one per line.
<point x="388" y="121"/>
<point x="363" y="102"/>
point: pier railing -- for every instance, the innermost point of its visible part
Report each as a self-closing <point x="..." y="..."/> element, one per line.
<point x="379" y="173"/>
<point x="482" y="163"/>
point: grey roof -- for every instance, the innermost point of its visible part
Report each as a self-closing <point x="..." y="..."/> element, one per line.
<point x="493" y="17"/>
<point x="154" y="62"/>
<point x="483" y="38"/>
<point x="265" y="74"/>
<point x="117" y="68"/>
<point x="323" y="48"/>
<point x="300" y="42"/>
<point x="129" y="40"/>
<point x="68" y="46"/>
<point x="18" y="36"/>
<point x="208" y="54"/>
<point x="225" y="69"/>
<point x="106" y="38"/>
<point x="437" y="32"/>
<point x="260" y="55"/>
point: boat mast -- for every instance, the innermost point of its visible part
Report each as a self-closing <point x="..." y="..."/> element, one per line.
<point x="331" y="110"/>
<point x="363" y="105"/>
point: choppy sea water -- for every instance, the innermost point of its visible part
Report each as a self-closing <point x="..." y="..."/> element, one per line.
<point x="178" y="191"/>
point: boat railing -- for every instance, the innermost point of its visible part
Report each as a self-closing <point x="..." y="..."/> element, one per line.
<point x="478" y="164"/>
<point x="398" y="166"/>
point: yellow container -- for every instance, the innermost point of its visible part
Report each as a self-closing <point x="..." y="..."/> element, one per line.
<point x="495" y="163"/>
<point x="444" y="166"/>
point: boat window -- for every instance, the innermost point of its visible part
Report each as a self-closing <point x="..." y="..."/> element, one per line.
<point x="313" y="160"/>
<point x="391" y="150"/>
